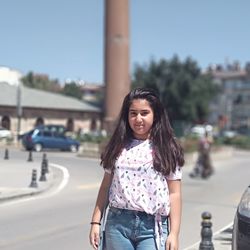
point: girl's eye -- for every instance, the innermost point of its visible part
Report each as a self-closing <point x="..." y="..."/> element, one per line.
<point x="144" y="113"/>
<point x="133" y="113"/>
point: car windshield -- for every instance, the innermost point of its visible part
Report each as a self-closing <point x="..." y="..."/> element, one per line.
<point x="35" y="132"/>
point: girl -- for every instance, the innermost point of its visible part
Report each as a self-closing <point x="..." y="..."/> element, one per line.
<point x="142" y="163"/>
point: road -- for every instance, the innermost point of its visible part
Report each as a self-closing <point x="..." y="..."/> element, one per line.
<point x="60" y="221"/>
<point x="219" y="195"/>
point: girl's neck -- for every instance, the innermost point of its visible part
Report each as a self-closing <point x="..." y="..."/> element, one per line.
<point x="139" y="138"/>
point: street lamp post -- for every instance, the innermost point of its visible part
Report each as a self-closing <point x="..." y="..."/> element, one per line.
<point x="19" y="107"/>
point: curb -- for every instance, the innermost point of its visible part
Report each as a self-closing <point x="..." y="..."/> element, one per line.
<point x="8" y="194"/>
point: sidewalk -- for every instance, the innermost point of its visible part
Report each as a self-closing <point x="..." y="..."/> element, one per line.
<point x="16" y="177"/>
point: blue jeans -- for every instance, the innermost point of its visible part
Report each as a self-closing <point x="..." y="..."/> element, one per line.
<point x="132" y="230"/>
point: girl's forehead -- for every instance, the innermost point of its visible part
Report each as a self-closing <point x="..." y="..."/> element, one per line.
<point x="139" y="104"/>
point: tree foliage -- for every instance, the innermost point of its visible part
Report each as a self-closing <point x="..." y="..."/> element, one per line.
<point x="41" y="81"/>
<point x="183" y="89"/>
<point x="72" y="89"/>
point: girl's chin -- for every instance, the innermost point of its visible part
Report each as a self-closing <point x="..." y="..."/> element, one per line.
<point x="141" y="136"/>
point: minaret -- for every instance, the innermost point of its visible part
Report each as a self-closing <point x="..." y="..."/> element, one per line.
<point x="116" y="59"/>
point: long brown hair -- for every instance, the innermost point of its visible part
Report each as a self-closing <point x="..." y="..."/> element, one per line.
<point x="167" y="152"/>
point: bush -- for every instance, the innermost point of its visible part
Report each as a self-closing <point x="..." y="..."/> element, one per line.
<point x="242" y="142"/>
<point x="92" y="138"/>
<point x="239" y="141"/>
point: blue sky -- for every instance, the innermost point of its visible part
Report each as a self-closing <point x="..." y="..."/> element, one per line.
<point x="64" y="38"/>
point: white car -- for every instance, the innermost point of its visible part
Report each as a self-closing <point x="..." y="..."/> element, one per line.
<point x="229" y="133"/>
<point x="5" y="133"/>
<point x="200" y="130"/>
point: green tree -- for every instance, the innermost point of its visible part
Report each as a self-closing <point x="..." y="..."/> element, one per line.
<point x="183" y="89"/>
<point x="41" y="81"/>
<point x="72" y="89"/>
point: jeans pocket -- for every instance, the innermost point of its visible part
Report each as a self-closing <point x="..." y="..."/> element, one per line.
<point x="113" y="213"/>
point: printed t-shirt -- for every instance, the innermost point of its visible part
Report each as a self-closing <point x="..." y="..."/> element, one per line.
<point x="136" y="185"/>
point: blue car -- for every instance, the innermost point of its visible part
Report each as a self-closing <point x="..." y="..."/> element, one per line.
<point x="49" y="137"/>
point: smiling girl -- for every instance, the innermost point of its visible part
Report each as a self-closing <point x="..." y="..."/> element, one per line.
<point x="142" y="179"/>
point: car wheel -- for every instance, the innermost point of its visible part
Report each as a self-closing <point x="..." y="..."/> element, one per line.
<point x="38" y="147"/>
<point x="73" y="148"/>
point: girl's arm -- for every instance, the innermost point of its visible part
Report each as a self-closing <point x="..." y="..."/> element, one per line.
<point x="101" y="204"/>
<point x="174" y="187"/>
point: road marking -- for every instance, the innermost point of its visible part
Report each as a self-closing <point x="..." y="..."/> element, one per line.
<point x="65" y="179"/>
<point x="63" y="183"/>
<point x="89" y="186"/>
<point x="223" y="229"/>
<point x="194" y="246"/>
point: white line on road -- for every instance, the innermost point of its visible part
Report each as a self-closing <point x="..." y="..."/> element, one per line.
<point x="65" y="179"/>
<point x="63" y="183"/>
<point x="214" y="234"/>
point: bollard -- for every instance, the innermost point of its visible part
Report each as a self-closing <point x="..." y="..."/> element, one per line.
<point x="33" y="183"/>
<point x="6" y="154"/>
<point x="43" y="172"/>
<point x="30" y="158"/>
<point x="206" y="232"/>
<point x="45" y="162"/>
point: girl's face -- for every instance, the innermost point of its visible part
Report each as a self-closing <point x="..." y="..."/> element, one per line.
<point x="140" y="117"/>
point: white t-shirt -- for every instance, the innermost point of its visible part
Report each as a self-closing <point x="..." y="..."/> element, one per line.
<point x="136" y="185"/>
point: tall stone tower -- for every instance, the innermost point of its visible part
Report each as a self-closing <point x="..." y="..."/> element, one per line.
<point x="116" y="59"/>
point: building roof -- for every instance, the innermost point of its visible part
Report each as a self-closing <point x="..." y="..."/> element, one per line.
<point x="34" y="98"/>
<point x="230" y="74"/>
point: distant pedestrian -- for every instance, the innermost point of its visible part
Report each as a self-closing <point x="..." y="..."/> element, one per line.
<point x="203" y="167"/>
<point x="142" y="179"/>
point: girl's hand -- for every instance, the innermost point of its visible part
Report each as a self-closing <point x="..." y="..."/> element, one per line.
<point x="172" y="242"/>
<point x="94" y="236"/>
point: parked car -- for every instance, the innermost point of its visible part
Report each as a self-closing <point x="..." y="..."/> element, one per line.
<point x="49" y="137"/>
<point x="200" y="130"/>
<point x="5" y="133"/>
<point x="241" y="228"/>
<point x="229" y="134"/>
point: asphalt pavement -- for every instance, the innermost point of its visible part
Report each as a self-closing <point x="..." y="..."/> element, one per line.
<point x="25" y="178"/>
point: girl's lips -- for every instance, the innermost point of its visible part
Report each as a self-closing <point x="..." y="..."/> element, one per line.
<point x="139" y="126"/>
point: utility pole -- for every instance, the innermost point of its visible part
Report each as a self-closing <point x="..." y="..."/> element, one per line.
<point x="19" y="106"/>
<point x="116" y="59"/>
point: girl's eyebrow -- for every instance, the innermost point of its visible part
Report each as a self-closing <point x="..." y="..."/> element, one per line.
<point x="140" y="110"/>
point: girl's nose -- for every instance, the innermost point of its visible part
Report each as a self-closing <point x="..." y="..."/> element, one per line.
<point x="138" y="118"/>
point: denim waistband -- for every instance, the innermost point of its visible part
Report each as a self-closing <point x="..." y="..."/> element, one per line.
<point x="129" y="211"/>
<point x="135" y="212"/>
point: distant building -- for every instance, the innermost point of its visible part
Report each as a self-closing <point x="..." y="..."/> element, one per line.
<point x="231" y="109"/>
<point x="91" y="91"/>
<point x="40" y="107"/>
<point x="9" y="76"/>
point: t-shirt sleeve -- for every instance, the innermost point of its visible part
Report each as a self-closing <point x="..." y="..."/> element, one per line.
<point x="177" y="175"/>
